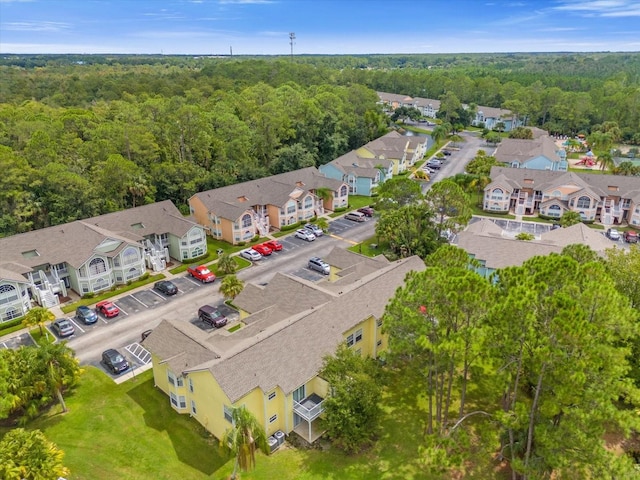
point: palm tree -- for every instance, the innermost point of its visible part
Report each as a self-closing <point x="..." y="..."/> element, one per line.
<point x="60" y="368"/>
<point x="244" y="439"/>
<point x="323" y="223"/>
<point x="231" y="286"/>
<point x="325" y="194"/>
<point x="606" y="161"/>
<point x="226" y="264"/>
<point x="38" y="316"/>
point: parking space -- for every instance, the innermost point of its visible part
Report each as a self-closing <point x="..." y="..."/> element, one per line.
<point x="134" y="353"/>
<point x="79" y="329"/>
<point x="308" y="274"/>
<point x="130" y="305"/>
<point x="149" y="298"/>
<point x="231" y="314"/>
<point x="23" y="340"/>
<point x="340" y="225"/>
<point x="185" y="285"/>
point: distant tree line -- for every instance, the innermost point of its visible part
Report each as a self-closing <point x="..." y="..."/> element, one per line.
<point x="86" y="135"/>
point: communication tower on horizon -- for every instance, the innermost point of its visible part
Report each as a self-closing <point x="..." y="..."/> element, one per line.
<point x="292" y="37"/>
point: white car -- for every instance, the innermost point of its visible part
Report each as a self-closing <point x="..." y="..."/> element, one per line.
<point x="250" y="254"/>
<point x="305" y="234"/>
<point x="613" y="234"/>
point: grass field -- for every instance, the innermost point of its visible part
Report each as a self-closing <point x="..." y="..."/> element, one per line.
<point x="129" y="431"/>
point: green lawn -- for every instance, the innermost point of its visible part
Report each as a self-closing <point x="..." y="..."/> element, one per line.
<point x="129" y="431"/>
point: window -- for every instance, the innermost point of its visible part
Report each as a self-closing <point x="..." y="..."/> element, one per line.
<point x="8" y="294"/>
<point x="554" y="211"/>
<point x="193" y="408"/>
<point x="350" y="340"/>
<point x="584" y="202"/>
<point x="130" y="255"/>
<point x="190" y="385"/>
<point x="273" y="418"/>
<point x="291" y="207"/>
<point x="182" y="401"/>
<point x="308" y="202"/>
<point x="379" y="322"/>
<point x="174" y="399"/>
<point x="496" y="194"/>
<point x="180" y="381"/>
<point x="272" y="395"/>
<point x="172" y="378"/>
<point x="196" y="236"/>
<point x="97" y="266"/>
<point x="379" y="343"/>
<point x="246" y="221"/>
<point x="228" y="414"/>
<point x="343" y="191"/>
<point x="358" y="335"/>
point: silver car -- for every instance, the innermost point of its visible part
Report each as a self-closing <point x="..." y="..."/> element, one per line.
<point x="315" y="229"/>
<point x="250" y="254"/>
<point x="305" y="234"/>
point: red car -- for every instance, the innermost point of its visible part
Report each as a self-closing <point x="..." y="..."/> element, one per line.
<point x="202" y="273"/>
<point x="262" y="249"/>
<point x="274" y="245"/>
<point x="367" y="211"/>
<point x="107" y="308"/>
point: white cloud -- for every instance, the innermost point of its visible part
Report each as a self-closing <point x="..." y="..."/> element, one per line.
<point x="36" y="26"/>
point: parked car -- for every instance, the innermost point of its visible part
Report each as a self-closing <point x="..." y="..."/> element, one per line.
<point x="305" y="234"/>
<point x="202" y="273"/>
<point x="107" y="308"/>
<point x="166" y="286"/>
<point x="250" y="254"/>
<point x="274" y="245"/>
<point x="63" y="327"/>
<point x="367" y="211"/>
<point x="263" y="249"/>
<point x="613" y="234"/>
<point x="355" y="216"/>
<point x="319" y="265"/>
<point x="630" y="236"/>
<point x="446" y="152"/>
<point x="114" y="361"/>
<point x="86" y="315"/>
<point x="434" y="163"/>
<point x="555" y="226"/>
<point x="212" y="316"/>
<point x="315" y="229"/>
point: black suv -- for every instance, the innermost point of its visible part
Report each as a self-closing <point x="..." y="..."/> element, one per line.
<point x="212" y="316"/>
<point x="114" y="361"/>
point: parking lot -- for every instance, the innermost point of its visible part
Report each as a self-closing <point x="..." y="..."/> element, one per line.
<point x="23" y="340"/>
<point x="134" y="353"/>
<point x="231" y="314"/>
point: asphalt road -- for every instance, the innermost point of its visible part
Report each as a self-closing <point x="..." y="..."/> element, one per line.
<point x="124" y="331"/>
<point x="457" y="161"/>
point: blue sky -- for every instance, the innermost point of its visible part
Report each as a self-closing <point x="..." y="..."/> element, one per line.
<point x="262" y="27"/>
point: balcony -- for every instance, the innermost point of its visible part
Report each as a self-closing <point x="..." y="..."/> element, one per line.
<point x="309" y="408"/>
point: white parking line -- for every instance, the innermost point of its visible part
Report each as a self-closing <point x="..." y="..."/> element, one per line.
<point x="121" y="309"/>
<point x="139" y="352"/>
<point x="156" y="293"/>
<point x="193" y="281"/>
<point x="146" y="306"/>
<point x="77" y="325"/>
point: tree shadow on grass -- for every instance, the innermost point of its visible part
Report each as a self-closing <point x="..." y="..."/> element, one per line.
<point x="193" y="445"/>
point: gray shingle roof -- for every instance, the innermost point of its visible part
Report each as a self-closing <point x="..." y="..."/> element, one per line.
<point x="273" y="350"/>
<point x="232" y="201"/>
<point x="75" y="242"/>
<point x="519" y="150"/>
<point x="351" y="162"/>
<point x="486" y="241"/>
<point x="539" y="180"/>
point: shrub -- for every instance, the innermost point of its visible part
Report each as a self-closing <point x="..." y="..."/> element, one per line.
<point x="88" y="295"/>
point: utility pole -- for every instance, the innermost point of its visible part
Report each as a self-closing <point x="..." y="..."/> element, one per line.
<point x="292" y="37"/>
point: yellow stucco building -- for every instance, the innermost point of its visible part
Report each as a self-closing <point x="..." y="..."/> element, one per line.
<point x="270" y="365"/>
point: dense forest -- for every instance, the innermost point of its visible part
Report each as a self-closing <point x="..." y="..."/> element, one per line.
<point x="86" y="135"/>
